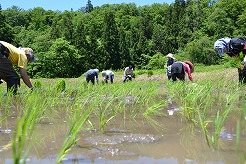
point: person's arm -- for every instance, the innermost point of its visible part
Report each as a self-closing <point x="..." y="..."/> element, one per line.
<point x="125" y="71"/>
<point x="189" y="75"/>
<point x="187" y="69"/>
<point x="97" y="77"/>
<point x="25" y="77"/>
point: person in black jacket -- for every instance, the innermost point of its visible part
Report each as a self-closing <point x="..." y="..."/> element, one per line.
<point x="170" y="61"/>
<point x="233" y="47"/>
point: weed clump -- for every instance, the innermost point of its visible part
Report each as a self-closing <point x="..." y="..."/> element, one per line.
<point x="37" y="84"/>
<point x="60" y="85"/>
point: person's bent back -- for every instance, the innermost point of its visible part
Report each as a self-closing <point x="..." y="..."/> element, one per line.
<point x="91" y="74"/>
<point x="9" y="56"/>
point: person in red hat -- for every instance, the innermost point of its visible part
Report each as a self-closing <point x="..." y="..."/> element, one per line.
<point x="179" y="68"/>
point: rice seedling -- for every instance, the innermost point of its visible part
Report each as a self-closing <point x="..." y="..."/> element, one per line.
<point x="78" y="119"/>
<point x="105" y="114"/>
<point x="37" y="84"/>
<point x="25" y="127"/>
<point x="60" y="85"/>
<point x="71" y="137"/>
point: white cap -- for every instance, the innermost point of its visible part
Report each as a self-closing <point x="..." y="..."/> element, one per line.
<point x="97" y="70"/>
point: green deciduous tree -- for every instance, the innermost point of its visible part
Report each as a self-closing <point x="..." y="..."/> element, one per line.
<point x="201" y="51"/>
<point x="6" y="33"/>
<point x="61" y="60"/>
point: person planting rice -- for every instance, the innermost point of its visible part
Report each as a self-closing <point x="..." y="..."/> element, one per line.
<point x="91" y="74"/>
<point x="9" y="56"/>
<point x="233" y="47"/>
<point x="170" y="61"/>
<point x="108" y="75"/>
<point x="128" y="73"/>
<point x="179" y="68"/>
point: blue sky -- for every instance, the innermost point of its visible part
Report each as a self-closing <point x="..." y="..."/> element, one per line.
<point x="74" y="4"/>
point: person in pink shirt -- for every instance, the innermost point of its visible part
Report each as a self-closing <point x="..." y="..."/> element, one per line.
<point x="179" y="68"/>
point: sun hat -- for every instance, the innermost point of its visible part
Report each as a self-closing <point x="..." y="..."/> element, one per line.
<point x="190" y="65"/>
<point x="170" y="55"/>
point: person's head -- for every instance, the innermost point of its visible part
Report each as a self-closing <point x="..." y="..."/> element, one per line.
<point x="190" y="65"/>
<point x="169" y="56"/>
<point x="29" y="54"/>
<point x="103" y="73"/>
<point x="220" y="47"/>
<point x="130" y="66"/>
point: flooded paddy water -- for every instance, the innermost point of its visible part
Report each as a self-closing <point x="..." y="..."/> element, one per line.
<point x="161" y="135"/>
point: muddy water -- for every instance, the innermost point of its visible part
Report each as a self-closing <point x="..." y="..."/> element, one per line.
<point x="176" y="141"/>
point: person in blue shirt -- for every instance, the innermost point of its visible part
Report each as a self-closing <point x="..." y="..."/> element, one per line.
<point x="91" y="74"/>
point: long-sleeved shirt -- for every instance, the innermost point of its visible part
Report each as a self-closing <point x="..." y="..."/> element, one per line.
<point x="128" y="71"/>
<point x="187" y="69"/>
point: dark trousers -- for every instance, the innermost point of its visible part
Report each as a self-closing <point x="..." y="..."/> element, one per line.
<point x="127" y="77"/>
<point x="242" y="74"/>
<point x="8" y="74"/>
<point x="177" y="71"/>
<point x="110" y="77"/>
<point x="90" y="78"/>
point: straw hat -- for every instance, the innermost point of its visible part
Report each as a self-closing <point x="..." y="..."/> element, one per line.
<point x="170" y="55"/>
<point x="190" y="65"/>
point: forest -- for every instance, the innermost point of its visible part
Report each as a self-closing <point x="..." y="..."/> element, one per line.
<point x="68" y="43"/>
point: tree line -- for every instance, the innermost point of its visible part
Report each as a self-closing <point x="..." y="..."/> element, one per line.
<point x="68" y="43"/>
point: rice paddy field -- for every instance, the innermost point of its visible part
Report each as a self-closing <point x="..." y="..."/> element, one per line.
<point x="147" y="120"/>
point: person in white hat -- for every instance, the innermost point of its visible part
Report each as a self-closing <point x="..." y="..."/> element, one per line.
<point x="231" y="46"/>
<point x="9" y="56"/>
<point x="170" y="61"/>
<point x="108" y="75"/>
<point x="91" y="74"/>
